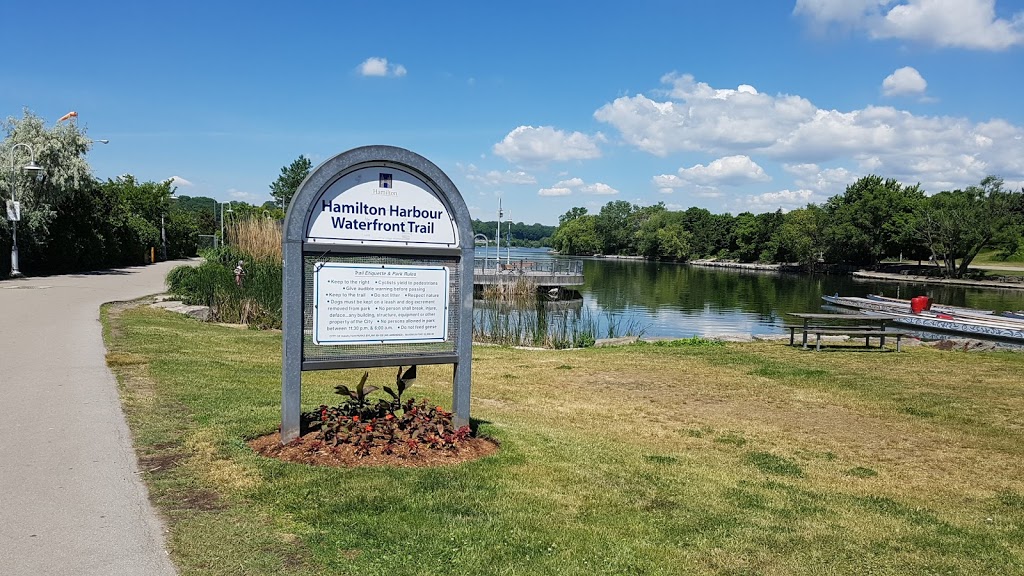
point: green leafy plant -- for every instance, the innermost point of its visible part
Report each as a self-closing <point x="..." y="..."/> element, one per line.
<point x="390" y="426"/>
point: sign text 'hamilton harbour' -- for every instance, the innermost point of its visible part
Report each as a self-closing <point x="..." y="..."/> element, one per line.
<point x="418" y="221"/>
<point x="381" y="304"/>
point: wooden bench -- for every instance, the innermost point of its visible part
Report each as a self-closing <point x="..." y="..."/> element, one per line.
<point x="794" y="328"/>
<point x="520" y="266"/>
<point x="845" y="324"/>
<point x="860" y="332"/>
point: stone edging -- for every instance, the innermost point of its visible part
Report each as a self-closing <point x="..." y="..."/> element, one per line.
<point x="932" y="280"/>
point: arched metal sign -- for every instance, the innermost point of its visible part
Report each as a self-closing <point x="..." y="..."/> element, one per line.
<point x="378" y="271"/>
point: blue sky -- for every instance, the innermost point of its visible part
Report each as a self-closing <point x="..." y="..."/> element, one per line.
<point x="725" y="104"/>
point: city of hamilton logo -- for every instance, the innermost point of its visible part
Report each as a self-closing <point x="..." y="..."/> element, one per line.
<point x="385" y="180"/>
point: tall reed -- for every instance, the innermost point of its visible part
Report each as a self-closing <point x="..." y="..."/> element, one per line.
<point x="260" y="238"/>
<point x="512" y="314"/>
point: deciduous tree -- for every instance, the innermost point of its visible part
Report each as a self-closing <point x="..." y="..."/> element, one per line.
<point x="872" y="220"/>
<point x="288" y="182"/>
<point x="957" y="225"/>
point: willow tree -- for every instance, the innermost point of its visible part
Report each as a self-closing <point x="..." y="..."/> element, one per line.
<point x="60" y="150"/>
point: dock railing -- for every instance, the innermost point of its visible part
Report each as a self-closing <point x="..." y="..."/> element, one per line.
<point x="561" y="266"/>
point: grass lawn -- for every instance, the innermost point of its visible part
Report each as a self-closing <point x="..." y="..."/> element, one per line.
<point x="993" y="257"/>
<point x="734" y="459"/>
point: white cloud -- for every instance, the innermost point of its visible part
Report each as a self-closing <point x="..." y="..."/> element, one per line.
<point x="666" y="183"/>
<point x="738" y="169"/>
<point x="599" y="188"/>
<point x="698" y="117"/>
<point x="784" y="199"/>
<point x="838" y="11"/>
<point x="554" y="192"/>
<point x="496" y="177"/>
<point x="566" y="187"/>
<point x="829" y="181"/>
<point x="527" y="144"/>
<point x="879" y="139"/>
<point x="570" y="183"/>
<point x="954" y="23"/>
<point x="180" y="182"/>
<point x="903" y="82"/>
<point x="376" y="66"/>
<point x="703" y="181"/>
<point x="669" y="183"/>
<point x="249" y="197"/>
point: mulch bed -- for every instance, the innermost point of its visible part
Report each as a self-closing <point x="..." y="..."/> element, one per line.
<point x="308" y="450"/>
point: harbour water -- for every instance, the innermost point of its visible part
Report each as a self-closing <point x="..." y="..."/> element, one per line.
<point x="680" y="301"/>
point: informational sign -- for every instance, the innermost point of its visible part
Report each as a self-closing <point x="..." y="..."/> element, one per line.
<point x="361" y="304"/>
<point x="381" y="206"/>
<point x="378" y="272"/>
<point x="13" y="211"/>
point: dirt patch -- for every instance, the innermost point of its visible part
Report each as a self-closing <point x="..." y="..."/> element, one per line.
<point x="159" y="462"/>
<point x="203" y="500"/>
<point x="308" y="450"/>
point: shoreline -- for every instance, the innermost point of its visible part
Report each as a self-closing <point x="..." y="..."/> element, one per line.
<point x="740" y="265"/>
<point x="909" y="278"/>
<point x="902" y="277"/>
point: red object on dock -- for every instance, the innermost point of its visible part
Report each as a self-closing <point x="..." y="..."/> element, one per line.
<point x="919" y="304"/>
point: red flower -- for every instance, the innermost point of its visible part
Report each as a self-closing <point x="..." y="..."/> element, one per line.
<point x="369" y="428"/>
<point x="389" y="417"/>
<point x="355" y="418"/>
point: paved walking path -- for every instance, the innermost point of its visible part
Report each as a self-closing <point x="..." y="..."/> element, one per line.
<point x="71" y="501"/>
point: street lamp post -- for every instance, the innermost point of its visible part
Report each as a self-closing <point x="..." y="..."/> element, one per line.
<point x="508" y="242"/>
<point x="487" y="243"/>
<point x="497" y="239"/>
<point x="223" y="239"/>
<point x="15" y="210"/>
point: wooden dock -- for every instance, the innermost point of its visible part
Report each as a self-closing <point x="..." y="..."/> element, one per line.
<point x="552" y="273"/>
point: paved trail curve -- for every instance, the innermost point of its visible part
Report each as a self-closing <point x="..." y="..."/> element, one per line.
<point x="71" y="501"/>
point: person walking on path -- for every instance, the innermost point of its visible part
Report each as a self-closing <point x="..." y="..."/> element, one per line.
<point x="71" y="500"/>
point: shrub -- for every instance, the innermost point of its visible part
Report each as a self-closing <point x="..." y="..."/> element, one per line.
<point x="257" y="302"/>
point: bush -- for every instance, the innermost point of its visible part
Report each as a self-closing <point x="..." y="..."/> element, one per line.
<point x="257" y="302"/>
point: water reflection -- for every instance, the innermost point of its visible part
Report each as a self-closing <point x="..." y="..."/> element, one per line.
<point x="679" y="301"/>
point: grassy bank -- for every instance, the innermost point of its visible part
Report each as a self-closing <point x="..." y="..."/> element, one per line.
<point x="688" y="459"/>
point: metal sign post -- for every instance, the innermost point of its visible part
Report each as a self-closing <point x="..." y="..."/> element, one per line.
<point x="378" y="271"/>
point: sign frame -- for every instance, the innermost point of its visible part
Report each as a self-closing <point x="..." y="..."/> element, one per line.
<point x="297" y="247"/>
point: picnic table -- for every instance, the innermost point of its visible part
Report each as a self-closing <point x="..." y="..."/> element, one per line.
<point x="833" y="324"/>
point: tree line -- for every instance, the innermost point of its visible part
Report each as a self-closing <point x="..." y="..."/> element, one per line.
<point x="521" y="234"/>
<point x="874" y="219"/>
<point x="72" y="221"/>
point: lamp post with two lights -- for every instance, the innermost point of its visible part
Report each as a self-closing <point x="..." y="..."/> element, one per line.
<point x="13" y="207"/>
